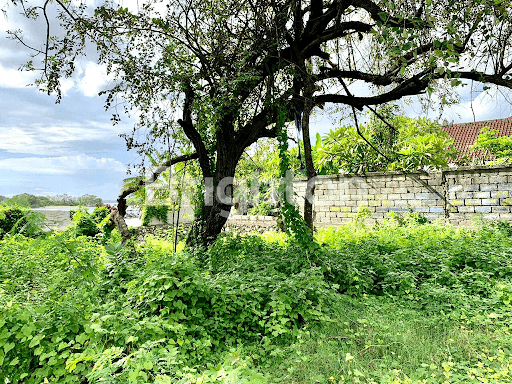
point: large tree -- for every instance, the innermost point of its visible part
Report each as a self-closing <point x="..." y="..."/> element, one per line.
<point x="215" y="76"/>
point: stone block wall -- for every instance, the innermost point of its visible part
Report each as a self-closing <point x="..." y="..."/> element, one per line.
<point x="479" y="191"/>
<point x="252" y="223"/>
<point x="456" y="195"/>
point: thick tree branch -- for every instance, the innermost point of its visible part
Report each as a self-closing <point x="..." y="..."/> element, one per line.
<point x="340" y="30"/>
<point x="317" y="7"/>
<point x="484" y="78"/>
<point x="413" y="86"/>
<point x="356" y="75"/>
<point x="193" y="135"/>
<point x="121" y="200"/>
<point x="261" y="125"/>
<point x="319" y="21"/>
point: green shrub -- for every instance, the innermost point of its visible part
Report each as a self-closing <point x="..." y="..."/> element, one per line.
<point x="264" y="208"/>
<point x="73" y="310"/>
<point x="99" y="214"/>
<point x="90" y="224"/>
<point x="103" y="313"/>
<point x="20" y="220"/>
<point x="85" y="226"/>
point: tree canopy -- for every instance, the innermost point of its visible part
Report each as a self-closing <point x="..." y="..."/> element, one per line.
<point x="31" y="201"/>
<point x="491" y="144"/>
<point x="413" y="144"/>
<point x="210" y="78"/>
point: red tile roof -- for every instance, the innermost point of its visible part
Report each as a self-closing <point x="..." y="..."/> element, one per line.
<point x="465" y="134"/>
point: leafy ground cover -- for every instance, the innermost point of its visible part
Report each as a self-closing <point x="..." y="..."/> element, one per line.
<point x="401" y="302"/>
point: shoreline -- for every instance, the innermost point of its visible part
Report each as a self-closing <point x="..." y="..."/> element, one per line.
<point x="62" y="208"/>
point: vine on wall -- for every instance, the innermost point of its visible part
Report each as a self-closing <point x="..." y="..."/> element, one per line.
<point x="157" y="211"/>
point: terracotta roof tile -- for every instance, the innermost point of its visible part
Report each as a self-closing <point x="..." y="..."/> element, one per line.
<point x="465" y="134"/>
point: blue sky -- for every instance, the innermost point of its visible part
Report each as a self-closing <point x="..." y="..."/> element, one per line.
<point x="48" y="148"/>
<point x="72" y="147"/>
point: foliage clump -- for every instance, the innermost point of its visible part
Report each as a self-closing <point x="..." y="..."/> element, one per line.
<point x="119" y="317"/>
<point x="20" y="220"/>
<point x="85" y="223"/>
<point x="32" y="201"/>
<point x="491" y="144"/>
<point x="402" y="144"/>
<point x="366" y="304"/>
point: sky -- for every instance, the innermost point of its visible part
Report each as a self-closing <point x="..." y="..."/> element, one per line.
<point x="73" y="148"/>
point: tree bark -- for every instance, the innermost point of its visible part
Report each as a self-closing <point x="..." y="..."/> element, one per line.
<point x="308" y="156"/>
<point x="218" y="202"/>
<point x="117" y="220"/>
<point x="219" y="211"/>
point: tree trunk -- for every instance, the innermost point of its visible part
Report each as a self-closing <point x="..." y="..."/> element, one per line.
<point x="212" y="226"/>
<point x="310" y="167"/>
<point x="218" y="197"/>
<point x="117" y="220"/>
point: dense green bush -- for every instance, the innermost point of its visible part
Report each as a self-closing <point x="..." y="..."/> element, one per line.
<point x="100" y="313"/>
<point x="84" y="224"/>
<point x="437" y="266"/>
<point x="20" y="220"/>
<point x="89" y="224"/>
<point x="99" y="214"/>
<point x="265" y="208"/>
<point x="75" y="310"/>
<point x="10" y="217"/>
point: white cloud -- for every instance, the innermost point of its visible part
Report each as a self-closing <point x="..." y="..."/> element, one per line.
<point x="13" y="78"/>
<point x="61" y="165"/>
<point x="55" y="140"/>
<point x="15" y="138"/>
<point x="72" y="132"/>
<point x="94" y="79"/>
<point x="485" y="106"/>
<point x="66" y="85"/>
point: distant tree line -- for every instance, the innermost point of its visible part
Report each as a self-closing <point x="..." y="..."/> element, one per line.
<point x="32" y="201"/>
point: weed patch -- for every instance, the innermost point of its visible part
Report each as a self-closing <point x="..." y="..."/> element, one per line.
<point x="402" y="302"/>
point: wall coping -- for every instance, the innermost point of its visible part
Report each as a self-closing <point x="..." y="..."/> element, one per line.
<point x="473" y="168"/>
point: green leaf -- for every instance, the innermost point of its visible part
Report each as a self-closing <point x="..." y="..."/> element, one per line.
<point x="15" y="361"/>
<point x="318" y="142"/>
<point x="81" y="338"/>
<point x="383" y="16"/>
<point x="8" y="347"/>
<point x="27" y="329"/>
<point x="36" y="340"/>
<point x="131" y="339"/>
